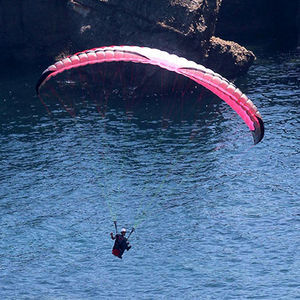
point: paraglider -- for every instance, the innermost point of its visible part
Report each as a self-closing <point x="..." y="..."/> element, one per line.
<point x="189" y="70"/>
<point x="121" y="242"/>
<point x="212" y="81"/>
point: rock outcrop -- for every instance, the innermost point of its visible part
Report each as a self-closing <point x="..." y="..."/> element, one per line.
<point x="229" y="52"/>
<point x="38" y="31"/>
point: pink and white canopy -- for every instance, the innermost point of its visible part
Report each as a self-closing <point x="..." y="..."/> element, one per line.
<point x="198" y="73"/>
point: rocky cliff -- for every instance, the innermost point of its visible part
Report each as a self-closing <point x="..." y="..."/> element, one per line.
<point x="38" y="31"/>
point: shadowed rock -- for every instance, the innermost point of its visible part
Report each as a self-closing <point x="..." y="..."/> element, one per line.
<point x="38" y="31"/>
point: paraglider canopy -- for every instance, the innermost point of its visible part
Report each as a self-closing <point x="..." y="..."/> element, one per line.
<point x="212" y="81"/>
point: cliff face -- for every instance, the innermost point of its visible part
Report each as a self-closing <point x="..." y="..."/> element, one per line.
<point x="38" y="31"/>
<point x="179" y="26"/>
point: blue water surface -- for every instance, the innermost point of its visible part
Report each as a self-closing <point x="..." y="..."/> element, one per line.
<point x="215" y="216"/>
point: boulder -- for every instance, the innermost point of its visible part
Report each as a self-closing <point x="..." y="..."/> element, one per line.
<point x="228" y="57"/>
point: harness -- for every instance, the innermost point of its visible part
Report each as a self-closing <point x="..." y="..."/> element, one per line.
<point x="121" y="242"/>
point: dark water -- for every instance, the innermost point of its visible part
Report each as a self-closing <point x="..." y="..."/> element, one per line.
<point x="216" y="217"/>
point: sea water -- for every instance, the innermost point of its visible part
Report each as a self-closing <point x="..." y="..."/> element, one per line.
<point x="215" y="216"/>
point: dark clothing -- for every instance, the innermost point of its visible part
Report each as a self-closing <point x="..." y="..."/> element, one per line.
<point x="121" y="244"/>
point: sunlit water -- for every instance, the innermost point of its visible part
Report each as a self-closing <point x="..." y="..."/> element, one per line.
<point x="215" y="217"/>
